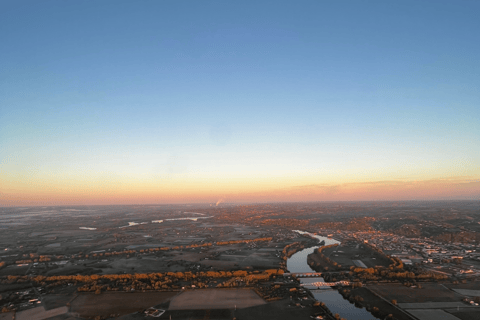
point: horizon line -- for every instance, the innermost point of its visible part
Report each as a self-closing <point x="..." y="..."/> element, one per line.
<point x="239" y="203"/>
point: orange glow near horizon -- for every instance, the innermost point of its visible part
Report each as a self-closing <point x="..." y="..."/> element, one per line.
<point x="234" y="103"/>
<point x="148" y="193"/>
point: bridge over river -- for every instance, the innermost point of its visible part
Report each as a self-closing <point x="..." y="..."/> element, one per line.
<point x="303" y="274"/>
<point x="298" y="266"/>
<point x="326" y="284"/>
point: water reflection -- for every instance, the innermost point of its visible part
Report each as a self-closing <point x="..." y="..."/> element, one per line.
<point x="334" y="300"/>
<point x="344" y="308"/>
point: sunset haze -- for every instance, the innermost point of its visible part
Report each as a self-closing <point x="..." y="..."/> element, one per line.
<point x="122" y="102"/>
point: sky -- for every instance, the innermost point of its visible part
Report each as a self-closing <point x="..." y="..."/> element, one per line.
<point x="142" y="102"/>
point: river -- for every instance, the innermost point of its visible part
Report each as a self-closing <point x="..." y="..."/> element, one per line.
<point x="334" y="300"/>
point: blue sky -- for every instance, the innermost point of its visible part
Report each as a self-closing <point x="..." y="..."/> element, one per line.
<point x="307" y="92"/>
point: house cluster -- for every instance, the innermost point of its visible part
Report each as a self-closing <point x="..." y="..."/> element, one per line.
<point x="457" y="259"/>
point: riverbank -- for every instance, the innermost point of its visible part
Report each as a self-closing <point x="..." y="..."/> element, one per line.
<point x="331" y="298"/>
<point x="364" y="298"/>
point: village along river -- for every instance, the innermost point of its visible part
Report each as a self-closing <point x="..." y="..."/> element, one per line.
<point x="331" y="297"/>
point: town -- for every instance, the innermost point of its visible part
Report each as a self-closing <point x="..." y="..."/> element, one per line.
<point x="394" y="260"/>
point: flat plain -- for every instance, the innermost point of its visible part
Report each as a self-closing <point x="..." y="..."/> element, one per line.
<point x="118" y="304"/>
<point x="102" y="261"/>
<point x="215" y="299"/>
